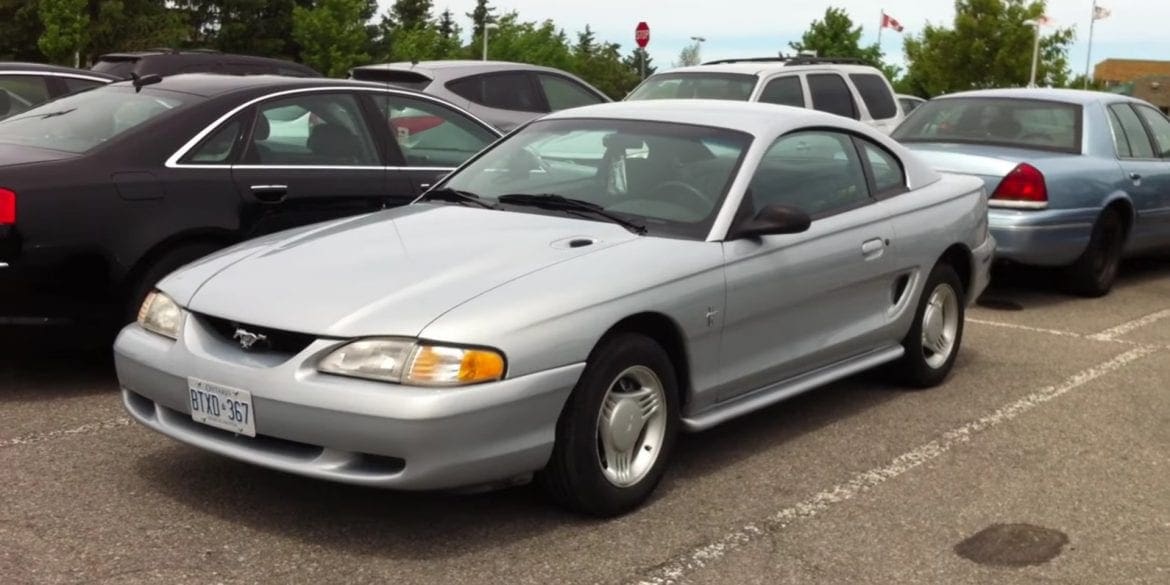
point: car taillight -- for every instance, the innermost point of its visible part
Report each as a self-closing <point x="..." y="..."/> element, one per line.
<point x="1024" y="184"/>
<point x="7" y="207"/>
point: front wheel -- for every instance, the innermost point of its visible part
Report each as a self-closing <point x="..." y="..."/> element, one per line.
<point x="617" y="430"/>
<point x="934" y="339"/>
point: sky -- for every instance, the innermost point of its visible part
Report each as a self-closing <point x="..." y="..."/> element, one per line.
<point x="1137" y="29"/>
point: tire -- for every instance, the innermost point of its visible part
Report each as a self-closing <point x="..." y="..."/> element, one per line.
<point x="1094" y="273"/>
<point x="166" y="264"/>
<point x="580" y="475"/>
<point x="941" y="312"/>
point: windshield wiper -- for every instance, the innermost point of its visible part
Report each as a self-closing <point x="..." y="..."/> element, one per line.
<point x="562" y="203"/>
<point x="44" y="116"/>
<point x="457" y="196"/>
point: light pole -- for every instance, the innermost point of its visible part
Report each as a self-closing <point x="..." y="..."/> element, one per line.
<point x="486" y="27"/>
<point x="1035" y="55"/>
<point x="698" y="47"/>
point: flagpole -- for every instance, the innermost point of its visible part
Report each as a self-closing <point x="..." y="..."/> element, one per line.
<point x="1089" y="53"/>
<point x="1035" y="55"/>
<point x="882" y="24"/>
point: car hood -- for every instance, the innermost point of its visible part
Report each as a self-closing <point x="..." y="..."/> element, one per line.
<point x="390" y="273"/>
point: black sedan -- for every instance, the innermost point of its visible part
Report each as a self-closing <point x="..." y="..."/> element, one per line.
<point x="26" y="85"/>
<point x="104" y="192"/>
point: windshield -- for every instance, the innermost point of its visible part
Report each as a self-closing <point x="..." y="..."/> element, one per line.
<point x="708" y="86"/>
<point x="83" y="121"/>
<point x="670" y="178"/>
<point x="120" y="67"/>
<point x="1022" y="123"/>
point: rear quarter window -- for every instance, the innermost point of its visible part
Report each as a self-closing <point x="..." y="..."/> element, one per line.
<point x="831" y="94"/>
<point x="876" y="94"/>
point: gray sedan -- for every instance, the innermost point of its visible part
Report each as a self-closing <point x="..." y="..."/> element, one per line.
<point x="1078" y="179"/>
<point x="567" y="302"/>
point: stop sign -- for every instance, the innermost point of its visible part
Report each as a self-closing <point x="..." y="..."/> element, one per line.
<point x="642" y="34"/>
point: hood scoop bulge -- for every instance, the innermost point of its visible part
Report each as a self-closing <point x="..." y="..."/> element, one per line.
<point x="573" y="242"/>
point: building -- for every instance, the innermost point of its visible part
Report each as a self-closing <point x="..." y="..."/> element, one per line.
<point x="1142" y="79"/>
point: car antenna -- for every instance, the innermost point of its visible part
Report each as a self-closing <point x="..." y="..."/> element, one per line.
<point x="140" y="81"/>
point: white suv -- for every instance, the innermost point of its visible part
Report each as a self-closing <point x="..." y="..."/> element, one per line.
<point x="838" y="86"/>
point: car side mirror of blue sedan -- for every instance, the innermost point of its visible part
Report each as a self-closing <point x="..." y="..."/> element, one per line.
<point x="772" y="220"/>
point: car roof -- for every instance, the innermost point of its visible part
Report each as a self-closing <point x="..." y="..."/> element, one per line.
<point x="43" y="68"/>
<point x="211" y="84"/>
<point x="458" y="67"/>
<point x="766" y="67"/>
<point x="749" y="117"/>
<point x="1068" y="96"/>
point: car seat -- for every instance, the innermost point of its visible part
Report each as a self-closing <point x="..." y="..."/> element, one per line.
<point x="333" y="143"/>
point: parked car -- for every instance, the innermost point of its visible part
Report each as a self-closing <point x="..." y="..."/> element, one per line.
<point x="909" y="103"/>
<point x="1078" y="179"/>
<point x="174" y="61"/>
<point x="837" y="86"/>
<point x="104" y="192"/>
<point x="25" y="85"/>
<point x="567" y="301"/>
<point x="503" y="93"/>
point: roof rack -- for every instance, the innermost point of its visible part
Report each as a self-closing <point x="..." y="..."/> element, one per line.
<point x="796" y="60"/>
<point x="177" y="51"/>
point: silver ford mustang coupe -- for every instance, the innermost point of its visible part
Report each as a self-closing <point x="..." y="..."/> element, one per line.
<point x="567" y="302"/>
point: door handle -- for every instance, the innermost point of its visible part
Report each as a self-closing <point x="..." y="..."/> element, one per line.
<point x="424" y="186"/>
<point x="270" y="193"/>
<point x="1135" y="176"/>
<point x="873" y="248"/>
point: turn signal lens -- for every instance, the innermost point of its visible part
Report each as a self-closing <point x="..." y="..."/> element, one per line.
<point x="1024" y="184"/>
<point x="435" y="365"/>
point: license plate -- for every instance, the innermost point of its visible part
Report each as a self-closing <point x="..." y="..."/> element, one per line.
<point x="222" y="407"/>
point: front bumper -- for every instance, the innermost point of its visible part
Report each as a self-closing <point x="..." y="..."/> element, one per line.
<point x="1048" y="237"/>
<point x="343" y="429"/>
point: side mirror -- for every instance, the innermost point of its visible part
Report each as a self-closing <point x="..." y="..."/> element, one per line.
<point x="772" y="220"/>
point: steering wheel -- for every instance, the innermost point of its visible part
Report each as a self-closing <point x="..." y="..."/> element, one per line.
<point x="700" y="201"/>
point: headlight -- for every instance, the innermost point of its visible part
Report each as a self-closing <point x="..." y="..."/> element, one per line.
<point x="161" y="314"/>
<point x="405" y="361"/>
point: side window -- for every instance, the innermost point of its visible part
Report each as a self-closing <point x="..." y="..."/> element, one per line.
<point x="564" y="93"/>
<point x="1120" y="143"/>
<point x="21" y="92"/>
<point x="830" y="94"/>
<point x="876" y="94"/>
<point x="817" y="172"/>
<point x="74" y="85"/>
<point x="312" y="129"/>
<point x="429" y="134"/>
<point x="1159" y="127"/>
<point x="785" y="91"/>
<point x="888" y="176"/>
<point x="505" y="91"/>
<point x="216" y="148"/>
<point x="1135" y="133"/>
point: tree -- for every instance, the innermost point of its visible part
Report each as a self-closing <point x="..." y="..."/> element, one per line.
<point x="639" y="62"/>
<point x="66" y="31"/>
<point x="332" y="35"/>
<point x="835" y="36"/>
<point x="989" y="45"/>
<point x="483" y="14"/>
<point x="253" y="27"/>
<point x="690" y="55"/>
<point x="20" y="27"/>
<point x="410" y="14"/>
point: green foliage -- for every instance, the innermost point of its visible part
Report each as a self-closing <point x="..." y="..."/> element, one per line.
<point x="634" y="62"/>
<point x="410" y="14"/>
<point x="601" y="64"/>
<point x="483" y="14"/>
<point x="989" y="45"/>
<point x="690" y="55"/>
<point x="20" y="27"/>
<point x="253" y="27"/>
<point x="835" y="36"/>
<point x="66" y="31"/>
<point x="332" y="35"/>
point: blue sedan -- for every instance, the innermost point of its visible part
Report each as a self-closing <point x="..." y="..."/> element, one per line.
<point x="1077" y="179"/>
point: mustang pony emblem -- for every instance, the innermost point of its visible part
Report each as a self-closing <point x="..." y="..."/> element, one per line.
<point x="247" y="339"/>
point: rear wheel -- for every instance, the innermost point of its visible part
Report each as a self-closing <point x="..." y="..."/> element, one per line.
<point x="617" y="430"/>
<point x="159" y="268"/>
<point x="934" y="339"/>
<point x="1094" y="273"/>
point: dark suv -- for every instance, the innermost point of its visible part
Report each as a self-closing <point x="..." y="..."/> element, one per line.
<point x="170" y="62"/>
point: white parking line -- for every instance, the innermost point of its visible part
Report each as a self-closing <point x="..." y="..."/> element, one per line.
<point x="1028" y="328"/>
<point x="1113" y="333"/>
<point x="85" y="429"/>
<point x="682" y="566"/>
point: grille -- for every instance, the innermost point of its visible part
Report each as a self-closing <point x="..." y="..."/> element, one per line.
<point x="274" y="340"/>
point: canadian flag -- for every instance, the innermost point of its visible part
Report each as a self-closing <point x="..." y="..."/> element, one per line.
<point x="891" y="22"/>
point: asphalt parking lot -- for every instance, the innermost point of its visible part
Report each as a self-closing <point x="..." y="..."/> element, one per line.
<point x="1053" y="433"/>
